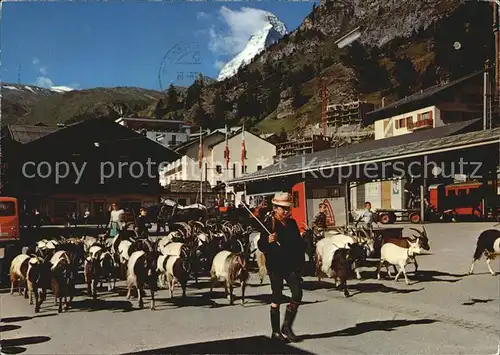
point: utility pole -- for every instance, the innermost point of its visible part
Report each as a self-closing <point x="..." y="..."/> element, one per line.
<point x="496" y="26"/>
<point x="323" y="106"/>
<point x="19" y="74"/>
<point x="485" y="94"/>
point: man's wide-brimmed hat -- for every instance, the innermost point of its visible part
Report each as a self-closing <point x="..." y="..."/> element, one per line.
<point x="282" y="199"/>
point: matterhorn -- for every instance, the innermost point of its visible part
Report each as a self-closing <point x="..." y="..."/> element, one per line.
<point x="271" y="33"/>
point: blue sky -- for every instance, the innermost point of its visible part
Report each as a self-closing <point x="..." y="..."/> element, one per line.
<point x="85" y="45"/>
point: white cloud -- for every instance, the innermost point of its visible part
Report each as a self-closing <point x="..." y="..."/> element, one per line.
<point x="219" y="64"/>
<point x="241" y="23"/>
<point x="202" y="15"/>
<point x="44" y="82"/>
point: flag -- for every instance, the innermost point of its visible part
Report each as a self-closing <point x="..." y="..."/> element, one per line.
<point x="200" y="152"/>
<point x="243" y="149"/>
<point x="226" y="151"/>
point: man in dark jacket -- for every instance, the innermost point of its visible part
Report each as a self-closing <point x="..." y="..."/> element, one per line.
<point x="284" y="251"/>
<point x="142" y="227"/>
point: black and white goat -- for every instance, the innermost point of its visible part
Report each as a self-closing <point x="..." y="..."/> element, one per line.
<point x="61" y="272"/>
<point x="230" y="268"/>
<point x="488" y="243"/>
<point x="141" y="270"/>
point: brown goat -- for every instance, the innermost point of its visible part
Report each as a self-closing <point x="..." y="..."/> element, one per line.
<point x="404" y="242"/>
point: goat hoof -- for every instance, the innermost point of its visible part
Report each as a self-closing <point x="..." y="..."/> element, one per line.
<point x="346" y="294"/>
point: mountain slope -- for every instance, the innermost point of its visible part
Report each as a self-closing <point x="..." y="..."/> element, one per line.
<point x="404" y="46"/>
<point x="271" y="33"/>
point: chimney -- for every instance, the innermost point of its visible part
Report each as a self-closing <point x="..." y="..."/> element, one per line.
<point x="383" y="101"/>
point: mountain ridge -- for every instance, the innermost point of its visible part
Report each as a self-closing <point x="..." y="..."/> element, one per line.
<point x="403" y="47"/>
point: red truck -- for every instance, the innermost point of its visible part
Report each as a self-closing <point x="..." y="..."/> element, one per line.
<point x="10" y="241"/>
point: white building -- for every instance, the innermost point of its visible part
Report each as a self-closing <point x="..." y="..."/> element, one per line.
<point x="169" y="133"/>
<point x="457" y="101"/>
<point x="408" y="122"/>
<point x="259" y="154"/>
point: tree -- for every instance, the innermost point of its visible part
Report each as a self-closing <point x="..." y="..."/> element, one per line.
<point x="193" y="93"/>
<point x="160" y="109"/>
<point x="220" y="106"/>
<point x="283" y="135"/>
<point x="200" y="116"/>
<point x="172" y="98"/>
<point x="370" y="75"/>
<point x="406" y="75"/>
<point x="298" y="99"/>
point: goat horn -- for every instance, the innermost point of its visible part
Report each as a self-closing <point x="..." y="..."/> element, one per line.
<point x="416" y="230"/>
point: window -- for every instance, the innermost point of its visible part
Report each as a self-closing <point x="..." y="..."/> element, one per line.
<point x="409" y="121"/>
<point x="174" y="139"/>
<point x="400" y="123"/>
<point x="259" y="167"/>
<point x="7" y="208"/>
<point x="234" y="171"/>
<point x="218" y="168"/>
<point x="295" y="199"/>
<point x="426" y="115"/>
<point x="243" y="169"/>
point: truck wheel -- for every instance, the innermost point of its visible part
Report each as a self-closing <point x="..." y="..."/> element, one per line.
<point x="384" y="218"/>
<point x="414" y="218"/>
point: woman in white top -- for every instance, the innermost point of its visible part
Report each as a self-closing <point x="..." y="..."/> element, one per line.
<point x="116" y="222"/>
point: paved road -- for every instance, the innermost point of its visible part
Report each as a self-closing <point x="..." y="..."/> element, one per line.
<point x="442" y="311"/>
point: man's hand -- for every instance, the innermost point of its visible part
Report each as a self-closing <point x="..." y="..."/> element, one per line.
<point x="272" y="238"/>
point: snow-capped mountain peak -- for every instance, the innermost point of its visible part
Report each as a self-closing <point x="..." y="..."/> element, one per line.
<point x="271" y="33"/>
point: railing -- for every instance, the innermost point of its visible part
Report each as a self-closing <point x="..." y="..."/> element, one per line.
<point x="420" y="124"/>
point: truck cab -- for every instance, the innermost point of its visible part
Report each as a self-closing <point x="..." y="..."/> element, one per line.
<point x="10" y="241"/>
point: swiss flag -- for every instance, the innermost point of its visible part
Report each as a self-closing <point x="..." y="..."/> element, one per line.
<point x="243" y="149"/>
<point x="226" y="151"/>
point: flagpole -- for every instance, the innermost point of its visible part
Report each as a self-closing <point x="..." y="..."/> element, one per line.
<point x="226" y="153"/>
<point x="200" y="165"/>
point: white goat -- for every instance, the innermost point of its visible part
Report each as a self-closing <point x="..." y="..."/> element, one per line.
<point x="396" y="255"/>
<point x="18" y="272"/>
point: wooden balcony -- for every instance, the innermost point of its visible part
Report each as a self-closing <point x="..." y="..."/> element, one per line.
<point x="427" y="123"/>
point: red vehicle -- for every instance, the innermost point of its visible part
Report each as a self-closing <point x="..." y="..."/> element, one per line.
<point x="10" y="239"/>
<point x="9" y="219"/>
<point x="463" y="199"/>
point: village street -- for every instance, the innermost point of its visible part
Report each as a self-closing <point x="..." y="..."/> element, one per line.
<point x="442" y="311"/>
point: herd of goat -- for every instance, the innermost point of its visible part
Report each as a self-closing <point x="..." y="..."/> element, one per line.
<point x="220" y="249"/>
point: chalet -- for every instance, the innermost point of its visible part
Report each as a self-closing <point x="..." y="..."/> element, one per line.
<point x="86" y="165"/>
<point x="169" y="133"/>
<point x="456" y="101"/>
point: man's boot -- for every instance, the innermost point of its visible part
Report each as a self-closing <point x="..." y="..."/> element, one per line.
<point x="286" y="330"/>
<point x="275" y="324"/>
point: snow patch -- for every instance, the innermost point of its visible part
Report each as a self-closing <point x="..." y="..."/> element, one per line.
<point x="12" y="88"/>
<point x="28" y="88"/>
<point x="61" y="88"/>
